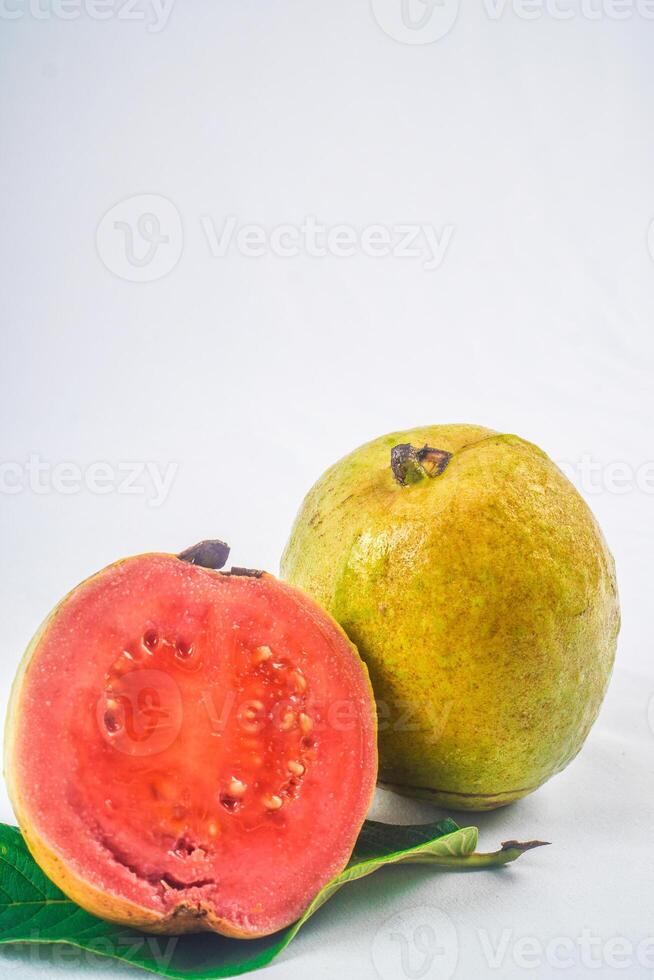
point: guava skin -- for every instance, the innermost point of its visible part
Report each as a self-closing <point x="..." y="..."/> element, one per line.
<point x="483" y="599"/>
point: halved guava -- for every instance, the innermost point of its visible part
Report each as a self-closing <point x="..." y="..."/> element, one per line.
<point x="189" y="749"/>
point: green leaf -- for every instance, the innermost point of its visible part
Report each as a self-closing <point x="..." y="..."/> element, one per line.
<point x="34" y="910"/>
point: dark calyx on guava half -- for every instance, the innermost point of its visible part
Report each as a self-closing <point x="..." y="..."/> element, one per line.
<point x="189" y="749"/>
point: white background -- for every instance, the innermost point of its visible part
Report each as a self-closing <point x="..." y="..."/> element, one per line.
<point x="530" y="138"/>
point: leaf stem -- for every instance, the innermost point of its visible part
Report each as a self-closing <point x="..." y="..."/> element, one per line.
<point x="510" y="850"/>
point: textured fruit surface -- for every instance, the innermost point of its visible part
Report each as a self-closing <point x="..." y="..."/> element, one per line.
<point x="191" y="750"/>
<point x="479" y="590"/>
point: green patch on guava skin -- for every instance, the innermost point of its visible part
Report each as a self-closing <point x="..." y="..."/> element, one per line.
<point x="484" y="598"/>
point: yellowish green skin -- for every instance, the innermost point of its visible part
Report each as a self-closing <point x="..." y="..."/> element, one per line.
<point x="483" y="600"/>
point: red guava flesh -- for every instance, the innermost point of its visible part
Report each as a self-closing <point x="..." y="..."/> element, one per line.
<point x="191" y="750"/>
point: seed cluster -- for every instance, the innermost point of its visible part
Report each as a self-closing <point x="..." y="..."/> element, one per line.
<point x="269" y="742"/>
<point x="274" y="721"/>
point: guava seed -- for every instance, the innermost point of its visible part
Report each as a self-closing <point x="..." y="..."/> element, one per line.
<point x="183" y="649"/>
<point x="150" y="639"/>
<point x="229" y="803"/>
<point x="111" y="723"/>
<point x="287" y="722"/>
<point x="298" y="680"/>
<point x="261" y="654"/>
<point x="163" y="788"/>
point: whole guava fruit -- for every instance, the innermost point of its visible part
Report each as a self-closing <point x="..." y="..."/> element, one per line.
<point x="171" y="753"/>
<point x="479" y="590"/>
